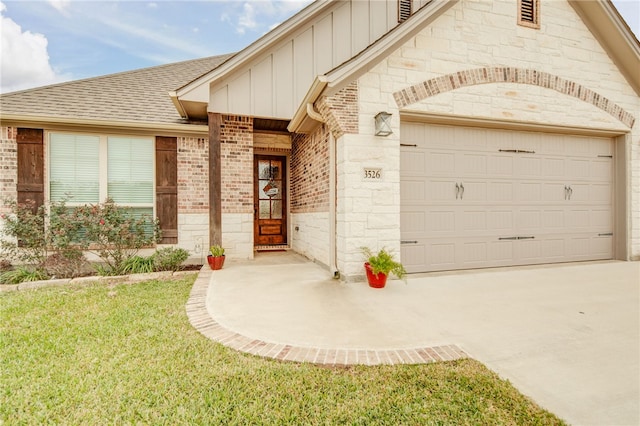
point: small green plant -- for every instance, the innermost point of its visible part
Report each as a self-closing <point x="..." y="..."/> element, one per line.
<point x="138" y="265"/>
<point x="216" y="251"/>
<point x="169" y="258"/>
<point x="22" y="274"/>
<point x="384" y="262"/>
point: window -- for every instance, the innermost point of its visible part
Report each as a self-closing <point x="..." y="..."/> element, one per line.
<point x="90" y="168"/>
<point x="404" y="10"/>
<point x="529" y="13"/>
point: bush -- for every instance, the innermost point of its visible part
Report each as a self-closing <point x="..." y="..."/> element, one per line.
<point x="52" y="239"/>
<point x="169" y="258"/>
<point x="114" y="234"/>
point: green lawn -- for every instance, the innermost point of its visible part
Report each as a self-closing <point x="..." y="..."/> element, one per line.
<point x="127" y="354"/>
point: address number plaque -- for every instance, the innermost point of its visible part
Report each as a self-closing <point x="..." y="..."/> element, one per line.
<point x="372" y="174"/>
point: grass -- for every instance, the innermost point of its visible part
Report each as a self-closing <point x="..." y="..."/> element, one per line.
<point x="127" y="354"/>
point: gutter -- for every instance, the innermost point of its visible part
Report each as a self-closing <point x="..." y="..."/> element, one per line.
<point x="176" y="103"/>
<point x="306" y="105"/>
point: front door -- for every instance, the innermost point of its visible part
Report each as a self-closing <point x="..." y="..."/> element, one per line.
<point x="270" y="198"/>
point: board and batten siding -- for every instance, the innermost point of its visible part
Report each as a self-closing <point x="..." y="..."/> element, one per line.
<point x="274" y="84"/>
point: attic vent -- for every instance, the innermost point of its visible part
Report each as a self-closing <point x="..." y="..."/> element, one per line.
<point x="404" y="10"/>
<point x="529" y="13"/>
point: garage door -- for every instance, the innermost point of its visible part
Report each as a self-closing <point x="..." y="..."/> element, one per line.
<point x="473" y="197"/>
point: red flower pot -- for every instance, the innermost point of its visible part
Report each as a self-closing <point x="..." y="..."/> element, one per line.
<point x="375" y="280"/>
<point x="215" y="262"/>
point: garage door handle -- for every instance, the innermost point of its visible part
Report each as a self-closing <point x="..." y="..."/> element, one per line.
<point x="462" y="191"/>
<point x="408" y="242"/>
<point x="457" y="190"/>
<point x="507" y="238"/>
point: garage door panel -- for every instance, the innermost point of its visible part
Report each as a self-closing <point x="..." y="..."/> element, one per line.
<point x="578" y="169"/>
<point x="442" y="222"/>
<point x="553" y="192"/>
<point x="473" y="164"/>
<point x="500" y="220"/>
<point x="599" y="193"/>
<point x="441" y="163"/>
<point x="500" y="166"/>
<point x="499" y="191"/>
<point x="529" y="192"/>
<point x="474" y="220"/>
<point x="413" y="191"/>
<point x="553" y="167"/>
<point x="441" y="190"/>
<point x="601" y="170"/>
<point x="413" y="163"/>
<point x="528" y="167"/>
<point x="552" y="203"/>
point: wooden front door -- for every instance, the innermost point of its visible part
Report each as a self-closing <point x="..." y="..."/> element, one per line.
<point x="270" y="200"/>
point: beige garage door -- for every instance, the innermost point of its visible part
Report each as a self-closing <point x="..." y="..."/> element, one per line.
<point x="473" y="198"/>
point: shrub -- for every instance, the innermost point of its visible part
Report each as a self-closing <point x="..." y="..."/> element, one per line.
<point x="114" y="234"/>
<point x="169" y="258"/>
<point x="52" y="239"/>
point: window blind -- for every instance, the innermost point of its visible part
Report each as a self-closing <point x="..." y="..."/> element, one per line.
<point x="74" y="168"/>
<point x="130" y="170"/>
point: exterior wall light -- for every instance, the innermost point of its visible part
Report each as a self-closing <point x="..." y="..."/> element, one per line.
<point x="383" y="124"/>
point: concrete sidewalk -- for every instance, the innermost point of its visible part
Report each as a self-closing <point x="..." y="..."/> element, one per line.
<point x="565" y="335"/>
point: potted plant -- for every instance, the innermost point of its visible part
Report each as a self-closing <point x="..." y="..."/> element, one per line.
<point x="379" y="266"/>
<point x="216" y="258"/>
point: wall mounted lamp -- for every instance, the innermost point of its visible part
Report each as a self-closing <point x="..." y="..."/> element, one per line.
<point x="383" y="124"/>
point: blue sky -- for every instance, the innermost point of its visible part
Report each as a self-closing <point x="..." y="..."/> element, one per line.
<point x="50" y="41"/>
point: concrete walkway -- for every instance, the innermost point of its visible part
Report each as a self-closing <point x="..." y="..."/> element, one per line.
<point x="565" y="335"/>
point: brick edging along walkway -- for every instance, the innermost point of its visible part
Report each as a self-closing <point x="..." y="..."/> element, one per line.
<point x="205" y="324"/>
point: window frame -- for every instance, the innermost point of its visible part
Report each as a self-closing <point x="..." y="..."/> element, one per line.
<point x="103" y="174"/>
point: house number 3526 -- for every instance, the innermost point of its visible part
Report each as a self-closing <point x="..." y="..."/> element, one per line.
<point x="373" y="174"/>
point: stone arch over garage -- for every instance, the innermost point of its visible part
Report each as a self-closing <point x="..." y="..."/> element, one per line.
<point x="448" y="82"/>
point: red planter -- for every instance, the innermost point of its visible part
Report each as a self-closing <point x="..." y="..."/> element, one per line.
<point x="375" y="280"/>
<point x="216" y="262"/>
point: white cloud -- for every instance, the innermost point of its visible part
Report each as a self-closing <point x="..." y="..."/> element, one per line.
<point x="247" y="20"/>
<point x="25" y="60"/>
<point x="61" y="6"/>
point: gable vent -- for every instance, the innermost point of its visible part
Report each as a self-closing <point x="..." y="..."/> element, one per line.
<point x="528" y="13"/>
<point x="404" y="10"/>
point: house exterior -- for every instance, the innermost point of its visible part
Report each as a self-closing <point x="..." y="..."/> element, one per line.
<point x="514" y="137"/>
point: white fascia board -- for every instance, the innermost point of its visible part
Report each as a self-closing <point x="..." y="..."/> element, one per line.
<point x="85" y="123"/>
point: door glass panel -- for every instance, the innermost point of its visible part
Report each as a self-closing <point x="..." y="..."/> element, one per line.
<point x="265" y="209"/>
<point x="276" y="209"/>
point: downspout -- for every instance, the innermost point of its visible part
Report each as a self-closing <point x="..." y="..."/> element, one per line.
<point x="333" y="216"/>
<point x="312" y="113"/>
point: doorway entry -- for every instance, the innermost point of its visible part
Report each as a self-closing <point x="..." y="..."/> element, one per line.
<point x="270" y="200"/>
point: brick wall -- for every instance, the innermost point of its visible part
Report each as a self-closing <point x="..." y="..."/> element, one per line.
<point x="236" y="156"/>
<point x="340" y="111"/>
<point x="193" y="175"/>
<point x="310" y="172"/>
<point x="8" y="166"/>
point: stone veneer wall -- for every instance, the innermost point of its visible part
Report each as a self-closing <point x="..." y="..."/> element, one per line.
<point x="309" y="203"/>
<point x="462" y="66"/>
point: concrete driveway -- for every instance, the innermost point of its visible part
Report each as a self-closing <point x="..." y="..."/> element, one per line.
<point x="567" y="335"/>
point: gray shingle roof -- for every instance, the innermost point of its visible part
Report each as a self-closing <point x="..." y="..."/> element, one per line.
<point x="138" y="95"/>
